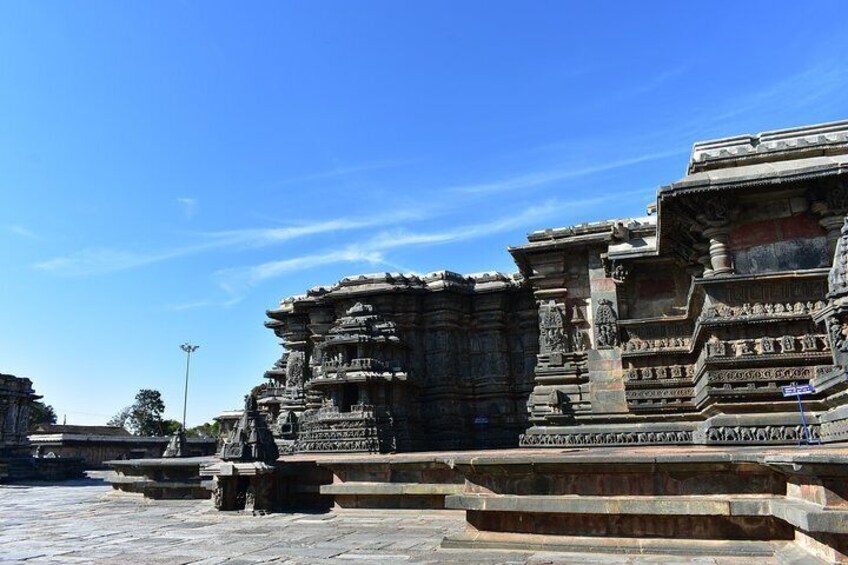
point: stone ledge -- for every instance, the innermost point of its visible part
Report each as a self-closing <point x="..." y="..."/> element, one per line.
<point x="805" y="516"/>
<point x="810" y="517"/>
<point x="647" y="505"/>
<point x="645" y="546"/>
<point x="391" y="489"/>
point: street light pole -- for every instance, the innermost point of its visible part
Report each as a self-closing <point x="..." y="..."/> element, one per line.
<point x="189" y="349"/>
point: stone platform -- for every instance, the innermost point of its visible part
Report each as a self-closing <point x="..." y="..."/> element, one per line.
<point x="685" y="500"/>
<point x="409" y="480"/>
<point x="786" y="503"/>
<point x="85" y="521"/>
<point x="163" y="477"/>
<point x="26" y="468"/>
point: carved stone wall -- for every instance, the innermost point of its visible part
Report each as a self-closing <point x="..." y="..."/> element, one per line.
<point x="383" y="363"/>
<point x="703" y="312"/>
<point x="677" y="327"/>
<point x="16" y="397"/>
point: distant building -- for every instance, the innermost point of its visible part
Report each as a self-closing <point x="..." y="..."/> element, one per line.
<point x="96" y="444"/>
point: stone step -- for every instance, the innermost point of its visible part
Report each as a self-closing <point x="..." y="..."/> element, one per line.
<point x="806" y="516"/>
<point x="363" y="488"/>
<point x="638" y="546"/>
<point x="689" y="505"/>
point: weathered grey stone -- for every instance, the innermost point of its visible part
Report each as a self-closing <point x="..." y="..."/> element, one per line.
<point x="16" y="460"/>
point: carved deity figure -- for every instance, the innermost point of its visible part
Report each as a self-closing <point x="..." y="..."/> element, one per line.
<point x="809" y="343"/>
<point x="838" y="335"/>
<point x="606" y="324"/>
<point x="295" y="369"/>
<point x="552" y="336"/>
<point x="787" y="344"/>
<point x="838" y="277"/>
<point x="766" y="345"/>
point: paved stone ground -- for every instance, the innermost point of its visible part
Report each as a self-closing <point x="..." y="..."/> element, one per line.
<point x="87" y="522"/>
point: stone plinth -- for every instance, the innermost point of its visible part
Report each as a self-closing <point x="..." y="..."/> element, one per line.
<point x="262" y="487"/>
<point x="393" y="481"/>
<point x="163" y="478"/>
<point x="675" y="500"/>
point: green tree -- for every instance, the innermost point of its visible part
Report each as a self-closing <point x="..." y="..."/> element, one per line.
<point x="40" y="413"/>
<point x="146" y="413"/>
<point x="169" y="427"/>
<point x="144" y="417"/>
<point x="120" y="419"/>
<point x="207" y="430"/>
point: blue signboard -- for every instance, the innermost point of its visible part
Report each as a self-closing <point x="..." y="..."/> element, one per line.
<point x="797" y="390"/>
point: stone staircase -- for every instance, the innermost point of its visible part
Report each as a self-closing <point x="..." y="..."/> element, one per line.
<point x="659" y="501"/>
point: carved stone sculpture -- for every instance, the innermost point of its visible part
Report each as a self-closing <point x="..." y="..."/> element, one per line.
<point x="552" y="333"/>
<point x="606" y="324"/>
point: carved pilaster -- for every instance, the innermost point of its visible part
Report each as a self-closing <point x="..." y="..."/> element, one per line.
<point x="832" y="226"/>
<point x="720" y="261"/>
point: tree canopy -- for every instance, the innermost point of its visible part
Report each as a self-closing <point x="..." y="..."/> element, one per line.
<point x="207" y="430"/>
<point x="39" y="414"/>
<point x="144" y="416"/>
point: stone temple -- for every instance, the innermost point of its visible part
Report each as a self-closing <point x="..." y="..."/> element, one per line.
<point x="676" y="328"/>
<point x="628" y="389"/>
<point x="16" y="461"/>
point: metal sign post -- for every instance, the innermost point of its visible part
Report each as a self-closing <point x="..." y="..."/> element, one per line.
<point x="798" y="391"/>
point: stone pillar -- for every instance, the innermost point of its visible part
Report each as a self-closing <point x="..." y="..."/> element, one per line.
<point x="4" y="407"/>
<point x="604" y="359"/>
<point x="12" y="421"/>
<point x="703" y="251"/>
<point x="226" y="493"/>
<point x="260" y="493"/>
<point x="833" y="226"/>
<point x="719" y="251"/>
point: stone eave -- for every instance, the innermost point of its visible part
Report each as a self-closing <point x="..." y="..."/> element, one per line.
<point x="84" y="438"/>
<point x="366" y="285"/>
<point x="760" y="174"/>
<point x="752" y="177"/>
<point x="655" y="320"/>
<point x="736" y="278"/>
<point x="649" y="249"/>
<point x="554" y="243"/>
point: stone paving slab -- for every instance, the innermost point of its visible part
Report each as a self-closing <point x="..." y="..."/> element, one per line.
<point x="86" y="521"/>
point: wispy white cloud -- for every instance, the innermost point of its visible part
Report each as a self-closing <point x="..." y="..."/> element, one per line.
<point x="268" y="236"/>
<point x="338" y="172"/>
<point x="185" y="306"/>
<point x="189" y="206"/>
<point x="401" y="238"/>
<point x="21" y="231"/>
<point x="777" y="104"/>
<point x="99" y="261"/>
<point x="531" y="180"/>
<point x="236" y="279"/>
<point x="373" y="250"/>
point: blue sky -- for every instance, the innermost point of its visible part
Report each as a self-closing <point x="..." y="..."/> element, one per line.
<point x="170" y="170"/>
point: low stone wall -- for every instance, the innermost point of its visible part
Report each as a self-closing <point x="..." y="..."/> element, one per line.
<point x="172" y="478"/>
<point x="393" y="481"/>
<point x="26" y="468"/>
<point x="96" y="450"/>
